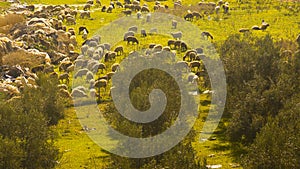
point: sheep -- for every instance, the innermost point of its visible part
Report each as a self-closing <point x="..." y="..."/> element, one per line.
<point x="127" y="12"/>
<point x="99" y="66"/>
<point x="109" y="75"/>
<point x="174" y="24"/>
<point x="226" y="8"/>
<point x="102" y="83"/>
<point x="85" y="14"/>
<point x="71" y="21"/>
<point x="62" y="86"/>
<point x="217" y="9"/>
<point x="133" y="29"/>
<point x="206" y="34"/>
<point x="189" y="17"/>
<point x="87" y="7"/>
<point x="145" y="9"/>
<point x="166" y="48"/>
<point x="177" y="35"/>
<point x="115" y="67"/>
<point x="199" y="50"/>
<point x="127" y="34"/>
<point x="90" y="52"/>
<point x="91" y="64"/>
<point x="264" y="25"/>
<point x="103" y="9"/>
<point x="89" y="76"/>
<point x="255" y="27"/>
<point x="84" y="49"/>
<point x="243" y="30"/>
<point x="76" y="93"/>
<point x="183" y="46"/>
<point x="73" y="40"/>
<point x="119" y="4"/>
<point x="64" y="76"/>
<point x="85" y="34"/>
<point x="81" y="73"/>
<point x="81" y="63"/>
<point x="106" y="46"/>
<point x="181" y="65"/>
<point x="193" y="78"/>
<point x="93" y="93"/>
<point x="109" y="9"/>
<point x="143" y="33"/>
<point x="171" y="42"/>
<point x="81" y="28"/>
<point x="132" y="39"/>
<point x="153" y="30"/>
<point x="157" y="48"/>
<point x="38" y="68"/>
<point x="197" y="15"/>
<point x="91" y="2"/>
<point x="138" y="15"/>
<point x="64" y="65"/>
<point x="71" y="68"/>
<point x="109" y="56"/>
<point x="148" y="17"/>
<point x="64" y="93"/>
<point x="119" y="50"/>
<point x="195" y="64"/>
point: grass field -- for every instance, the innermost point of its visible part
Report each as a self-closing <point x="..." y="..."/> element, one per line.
<point x="79" y="151"/>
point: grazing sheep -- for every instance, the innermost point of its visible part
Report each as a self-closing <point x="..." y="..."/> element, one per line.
<point x="109" y="56"/>
<point x="71" y="68"/>
<point x="89" y="76"/>
<point x="174" y="24"/>
<point x="109" y="75"/>
<point x="81" y="28"/>
<point x="127" y="34"/>
<point x="177" y="35"/>
<point x="85" y="34"/>
<point x="102" y="83"/>
<point x="189" y="17"/>
<point x="145" y="9"/>
<point x="90" y="52"/>
<point x="138" y="15"/>
<point x="71" y="21"/>
<point x="226" y="8"/>
<point x="81" y="73"/>
<point x="127" y="12"/>
<point x="84" y="49"/>
<point x="103" y="9"/>
<point x="64" y="93"/>
<point x="85" y="14"/>
<point x="106" y="46"/>
<point x="255" y="27"/>
<point x="197" y="15"/>
<point x="264" y="25"/>
<point x="148" y="17"/>
<point x="87" y="7"/>
<point x="195" y="64"/>
<point x="143" y="33"/>
<point x="182" y="65"/>
<point x="132" y="39"/>
<point x="62" y="86"/>
<point x="99" y="66"/>
<point x="177" y="44"/>
<point x="119" y="4"/>
<point x="64" y="65"/>
<point x="217" y="9"/>
<point x="133" y="29"/>
<point x="98" y="2"/>
<point x="243" y="30"/>
<point x="153" y="30"/>
<point x="119" y="50"/>
<point x="183" y="46"/>
<point x="171" y="43"/>
<point x="91" y="2"/>
<point x="64" y="76"/>
<point x="93" y="93"/>
<point x="115" y="67"/>
<point x="109" y="9"/>
<point x="206" y="35"/>
<point x="157" y="48"/>
<point x="78" y="93"/>
<point x="166" y="48"/>
<point x="199" y="50"/>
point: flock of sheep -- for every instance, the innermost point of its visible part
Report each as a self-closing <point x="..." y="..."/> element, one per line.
<point x="47" y="36"/>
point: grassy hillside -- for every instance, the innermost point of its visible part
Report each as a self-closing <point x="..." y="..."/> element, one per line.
<point x="79" y="151"/>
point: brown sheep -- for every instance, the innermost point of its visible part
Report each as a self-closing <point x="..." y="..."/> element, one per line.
<point x="132" y="39"/>
<point x="119" y="50"/>
<point x="64" y="77"/>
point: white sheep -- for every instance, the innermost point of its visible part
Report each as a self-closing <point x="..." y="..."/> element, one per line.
<point x="177" y="35"/>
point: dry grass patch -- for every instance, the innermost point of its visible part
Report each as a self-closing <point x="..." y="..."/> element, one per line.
<point x="7" y="22"/>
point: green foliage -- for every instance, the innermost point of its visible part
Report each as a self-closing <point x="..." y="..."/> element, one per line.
<point x="278" y="143"/>
<point x="25" y="135"/>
